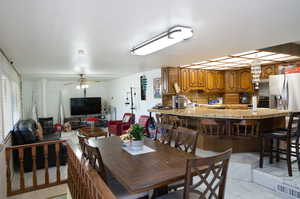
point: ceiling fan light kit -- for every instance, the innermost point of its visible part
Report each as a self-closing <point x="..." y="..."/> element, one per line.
<point x="173" y="36"/>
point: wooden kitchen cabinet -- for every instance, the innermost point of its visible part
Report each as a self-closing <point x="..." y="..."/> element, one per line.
<point x="196" y="79"/>
<point x="169" y="76"/>
<point x="231" y="81"/>
<point x="245" y="81"/>
<point x="185" y="80"/>
<point x="215" y="81"/>
<point x="268" y="70"/>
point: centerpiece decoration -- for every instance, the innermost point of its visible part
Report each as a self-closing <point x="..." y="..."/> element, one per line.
<point x="134" y="137"/>
<point x="91" y="121"/>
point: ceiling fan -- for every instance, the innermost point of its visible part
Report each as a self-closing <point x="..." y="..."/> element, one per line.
<point x="83" y="82"/>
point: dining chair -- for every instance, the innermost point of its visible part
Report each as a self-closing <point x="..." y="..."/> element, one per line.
<point x="186" y="139"/>
<point x="96" y="162"/>
<point x="291" y="137"/>
<point x="82" y="139"/>
<point x="212" y="173"/>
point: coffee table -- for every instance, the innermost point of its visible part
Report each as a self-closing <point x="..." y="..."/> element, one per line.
<point x="93" y="132"/>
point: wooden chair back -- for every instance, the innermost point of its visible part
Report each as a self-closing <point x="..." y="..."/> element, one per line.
<point x="212" y="127"/>
<point x="212" y="179"/>
<point x="166" y="132"/>
<point x="245" y="128"/>
<point x="82" y="140"/>
<point x="294" y="124"/>
<point x="95" y="160"/>
<point x="186" y="139"/>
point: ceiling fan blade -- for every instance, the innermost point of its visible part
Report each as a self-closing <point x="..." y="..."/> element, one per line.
<point x="69" y="83"/>
<point x="93" y="81"/>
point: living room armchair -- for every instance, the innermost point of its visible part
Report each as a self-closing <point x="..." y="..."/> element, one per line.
<point x="118" y="127"/>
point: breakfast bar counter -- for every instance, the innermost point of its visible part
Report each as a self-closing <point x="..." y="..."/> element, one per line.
<point x="201" y="112"/>
<point x="220" y="129"/>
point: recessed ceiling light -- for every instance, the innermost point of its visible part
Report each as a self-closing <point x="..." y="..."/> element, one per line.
<point x="172" y="36"/>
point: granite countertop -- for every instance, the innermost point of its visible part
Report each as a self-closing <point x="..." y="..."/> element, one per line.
<point x="202" y="112"/>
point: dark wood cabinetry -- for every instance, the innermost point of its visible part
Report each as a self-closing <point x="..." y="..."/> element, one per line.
<point x="170" y="76"/>
<point x="245" y="81"/>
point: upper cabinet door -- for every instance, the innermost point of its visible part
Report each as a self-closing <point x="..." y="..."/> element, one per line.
<point x="245" y="81"/>
<point x="220" y="81"/>
<point x="185" y="82"/>
<point x="193" y="77"/>
<point x="201" y="76"/>
<point x="231" y="83"/>
<point x="210" y="80"/>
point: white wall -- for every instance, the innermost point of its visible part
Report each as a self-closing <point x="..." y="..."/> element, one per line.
<point x="113" y="92"/>
<point x="53" y="87"/>
<point x="117" y="89"/>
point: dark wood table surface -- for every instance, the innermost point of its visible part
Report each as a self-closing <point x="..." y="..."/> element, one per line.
<point x="138" y="173"/>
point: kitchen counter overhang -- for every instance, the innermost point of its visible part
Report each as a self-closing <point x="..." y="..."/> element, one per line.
<point x="199" y="112"/>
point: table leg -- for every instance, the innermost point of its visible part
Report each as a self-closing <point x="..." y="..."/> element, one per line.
<point x="159" y="192"/>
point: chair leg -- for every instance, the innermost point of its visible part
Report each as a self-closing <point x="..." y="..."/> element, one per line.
<point x="271" y="151"/>
<point x="277" y="150"/>
<point x="289" y="161"/>
<point x="298" y="152"/>
<point x="261" y="155"/>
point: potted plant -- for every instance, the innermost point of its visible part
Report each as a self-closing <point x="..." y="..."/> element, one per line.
<point x="137" y="134"/>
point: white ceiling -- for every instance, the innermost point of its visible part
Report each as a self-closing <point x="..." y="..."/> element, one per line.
<point x="42" y="36"/>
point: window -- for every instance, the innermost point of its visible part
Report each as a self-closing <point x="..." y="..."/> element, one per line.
<point x="10" y="110"/>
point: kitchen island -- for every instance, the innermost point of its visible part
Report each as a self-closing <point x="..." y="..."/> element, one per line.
<point x="241" y="128"/>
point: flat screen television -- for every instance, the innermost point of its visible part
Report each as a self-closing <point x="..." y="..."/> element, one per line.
<point x="85" y="106"/>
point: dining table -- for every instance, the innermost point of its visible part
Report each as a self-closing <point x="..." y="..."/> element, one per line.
<point x="153" y="170"/>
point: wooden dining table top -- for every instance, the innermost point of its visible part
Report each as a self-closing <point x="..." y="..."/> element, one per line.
<point x="139" y="173"/>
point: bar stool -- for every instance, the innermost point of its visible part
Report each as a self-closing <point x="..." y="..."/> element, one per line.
<point x="245" y="128"/>
<point x="290" y="136"/>
<point x="212" y="127"/>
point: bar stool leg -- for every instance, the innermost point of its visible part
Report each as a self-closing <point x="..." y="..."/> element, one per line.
<point x="277" y="150"/>
<point x="261" y="156"/>
<point x="271" y="151"/>
<point x="298" y="152"/>
<point x="288" y="157"/>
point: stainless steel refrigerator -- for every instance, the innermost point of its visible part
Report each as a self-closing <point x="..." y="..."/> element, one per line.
<point x="284" y="91"/>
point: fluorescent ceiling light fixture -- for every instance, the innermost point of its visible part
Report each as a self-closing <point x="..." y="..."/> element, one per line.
<point x="202" y="62"/>
<point x="258" y="55"/>
<point x="173" y="36"/>
<point x="213" y="64"/>
<point x="185" y="65"/>
<point x="197" y="66"/>
<point x="287" y="58"/>
<point x="276" y="56"/>
<point x="245" y="53"/>
<point x="233" y="60"/>
<point x="219" y="59"/>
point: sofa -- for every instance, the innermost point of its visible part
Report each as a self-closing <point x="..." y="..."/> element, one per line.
<point x="25" y="132"/>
